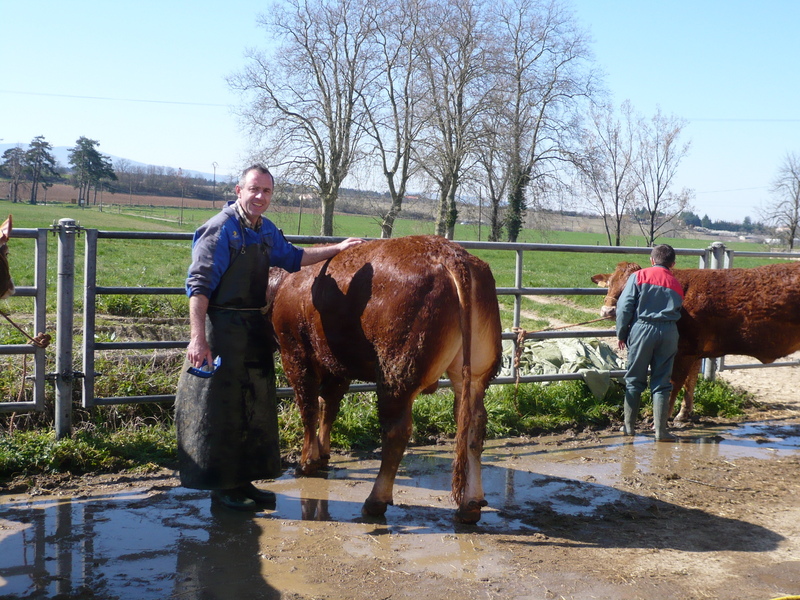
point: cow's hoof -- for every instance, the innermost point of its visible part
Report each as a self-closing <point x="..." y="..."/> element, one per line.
<point x="374" y="508"/>
<point x="679" y="419"/>
<point x="470" y="513"/>
<point x="311" y="467"/>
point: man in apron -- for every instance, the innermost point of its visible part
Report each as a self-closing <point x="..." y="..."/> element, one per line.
<point x="227" y="422"/>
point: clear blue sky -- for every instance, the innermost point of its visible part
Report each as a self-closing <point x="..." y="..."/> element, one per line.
<point x="146" y="79"/>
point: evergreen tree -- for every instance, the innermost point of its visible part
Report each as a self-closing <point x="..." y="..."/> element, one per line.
<point x="40" y="166"/>
<point x="13" y="167"/>
<point x="90" y="167"/>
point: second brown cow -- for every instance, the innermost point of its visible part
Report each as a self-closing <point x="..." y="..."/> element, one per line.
<point x="398" y="312"/>
<point x="751" y="312"/>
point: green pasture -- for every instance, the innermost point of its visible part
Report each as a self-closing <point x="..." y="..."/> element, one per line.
<point x="140" y="437"/>
<point x="163" y="263"/>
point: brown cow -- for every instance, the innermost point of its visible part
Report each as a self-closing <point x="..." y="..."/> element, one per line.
<point x="751" y="312"/>
<point x="398" y="312"/>
<point x="6" y="284"/>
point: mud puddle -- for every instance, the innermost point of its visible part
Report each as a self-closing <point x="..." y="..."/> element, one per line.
<point x="573" y="516"/>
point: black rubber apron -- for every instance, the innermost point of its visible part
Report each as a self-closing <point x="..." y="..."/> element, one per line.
<point x="227" y="424"/>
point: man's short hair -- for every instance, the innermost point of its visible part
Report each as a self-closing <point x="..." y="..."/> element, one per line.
<point x="256" y="167"/>
<point x="663" y="254"/>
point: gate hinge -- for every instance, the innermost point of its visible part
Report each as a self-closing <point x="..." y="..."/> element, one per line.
<point x="67" y="376"/>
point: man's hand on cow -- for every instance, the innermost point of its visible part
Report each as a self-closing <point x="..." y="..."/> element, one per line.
<point x="349" y="242"/>
<point x="315" y="254"/>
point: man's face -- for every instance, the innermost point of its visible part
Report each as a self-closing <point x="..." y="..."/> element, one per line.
<point x="256" y="194"/>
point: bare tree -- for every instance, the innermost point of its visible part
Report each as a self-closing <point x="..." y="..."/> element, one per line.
<point x="659" y="155"/>
<point x="392" y="120"/>
<point x="303" y="99"/>
<point x="784" y="211"/>
<point x="543" y="68"/>
<point x="605" y="167"/>
<point x="453" y="57"/>
<point x="492" y="157"/>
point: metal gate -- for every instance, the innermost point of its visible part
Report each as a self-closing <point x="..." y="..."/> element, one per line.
<point x="716" y="256"/>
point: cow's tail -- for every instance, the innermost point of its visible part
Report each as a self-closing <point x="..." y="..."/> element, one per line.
<point x="465" y="410"/>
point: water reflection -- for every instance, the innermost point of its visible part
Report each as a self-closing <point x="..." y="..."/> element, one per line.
<point x="130" y="546"/>
<point x="161" y="542"/>
<point x="225" y="565"/>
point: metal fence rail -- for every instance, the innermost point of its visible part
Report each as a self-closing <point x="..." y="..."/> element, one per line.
<point x="716" y="256"/>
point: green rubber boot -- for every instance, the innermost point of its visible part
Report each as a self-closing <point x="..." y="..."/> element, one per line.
<point x="660" y="416"/>
<point x="631" y="413"/>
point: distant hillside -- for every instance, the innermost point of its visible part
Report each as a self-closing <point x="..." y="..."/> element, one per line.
<point x="61" y="154"/>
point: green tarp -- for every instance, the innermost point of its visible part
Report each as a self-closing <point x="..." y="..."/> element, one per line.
<point x="590" y="357"/>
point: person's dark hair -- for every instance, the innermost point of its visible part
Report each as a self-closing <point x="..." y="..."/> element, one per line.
<point x="663" y="254"/>
<point x="256" y="167"/>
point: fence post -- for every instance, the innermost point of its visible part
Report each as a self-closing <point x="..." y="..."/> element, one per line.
<point x="65" y="306"/>
<point x="717" y="258"/>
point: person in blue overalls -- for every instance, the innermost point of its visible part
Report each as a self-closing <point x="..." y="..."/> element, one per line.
<point x="227" y="423"/>
<point x="647" y="314"/>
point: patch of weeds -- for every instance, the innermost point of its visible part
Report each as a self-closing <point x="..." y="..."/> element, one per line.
<point x="719" y="399"/>
<point x="88" y="450"/>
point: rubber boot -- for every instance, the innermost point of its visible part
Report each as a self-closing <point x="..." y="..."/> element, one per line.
<point x="631" y="413"/>
<point x="660" y="416"/>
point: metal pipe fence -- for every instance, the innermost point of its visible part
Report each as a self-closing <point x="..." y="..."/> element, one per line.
<point x="715" y="256"/>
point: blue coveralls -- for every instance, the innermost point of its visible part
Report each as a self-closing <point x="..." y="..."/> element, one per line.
<point x="647" y="313"/>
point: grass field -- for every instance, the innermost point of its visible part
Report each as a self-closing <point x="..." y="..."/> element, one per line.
<point x="164" y="263"/>
<point x="138" y="436"/>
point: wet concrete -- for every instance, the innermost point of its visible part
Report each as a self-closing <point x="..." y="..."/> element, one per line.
<point x="153" y="539"/>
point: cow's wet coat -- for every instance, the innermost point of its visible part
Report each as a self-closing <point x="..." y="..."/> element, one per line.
<point x="163" y="541"/>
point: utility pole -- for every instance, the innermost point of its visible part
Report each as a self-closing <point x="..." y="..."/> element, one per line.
<point x="180" y="180"/>
<point x="214" y="193"/>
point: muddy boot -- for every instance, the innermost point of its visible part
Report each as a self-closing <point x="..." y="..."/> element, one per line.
<point x="660" y="416"/>
<point x="631" y="413"/>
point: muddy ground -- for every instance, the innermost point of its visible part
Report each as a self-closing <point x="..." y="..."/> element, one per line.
<point x="584" y="515"/>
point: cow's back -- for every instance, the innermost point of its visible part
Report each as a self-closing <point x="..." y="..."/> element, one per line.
<point x="386" y="308"/>
<point x="752" y="312"/>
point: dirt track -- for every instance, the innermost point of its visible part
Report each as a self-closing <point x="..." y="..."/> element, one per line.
<point x="578" y="516"/>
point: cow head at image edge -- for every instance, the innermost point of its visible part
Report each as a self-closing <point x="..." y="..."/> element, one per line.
<point x="6" y="283"/>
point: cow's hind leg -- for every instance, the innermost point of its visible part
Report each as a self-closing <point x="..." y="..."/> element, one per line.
<point x="394" y="414"/>
<point x="467" y="480"/>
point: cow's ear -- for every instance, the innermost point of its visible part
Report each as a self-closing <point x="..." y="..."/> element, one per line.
<point x="5" y="230"/>
<point x="601" y="279"/>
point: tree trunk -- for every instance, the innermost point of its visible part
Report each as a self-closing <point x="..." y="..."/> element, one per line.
<point x="387" y="225"/>
<point x="328" y="202"/>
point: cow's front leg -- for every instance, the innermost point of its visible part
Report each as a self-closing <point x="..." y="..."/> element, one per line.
<point x="688" y="381"/>
<point x="394" y="413"/>
<point x="331" y="393"/>
<point x="687" y="407"/>
<point x="306" y="396"/>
